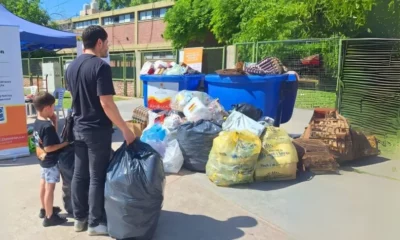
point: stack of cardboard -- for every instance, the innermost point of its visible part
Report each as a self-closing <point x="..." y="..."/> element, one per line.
<point x="334" y="130"/>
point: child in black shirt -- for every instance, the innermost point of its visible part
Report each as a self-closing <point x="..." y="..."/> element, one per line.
<point x="48" y="147"/>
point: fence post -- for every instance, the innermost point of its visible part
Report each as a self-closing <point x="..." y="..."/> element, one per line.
<point x="124" y="74"/>
<point x="231" y="56"/>
<point x="138" y="61"/>
<point x="29" y="65"/>
<point x="256" y="46"/>
<point x="254" y="52"/>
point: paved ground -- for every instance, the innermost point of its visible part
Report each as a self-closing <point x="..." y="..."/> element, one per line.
<point x="352" y="205"/>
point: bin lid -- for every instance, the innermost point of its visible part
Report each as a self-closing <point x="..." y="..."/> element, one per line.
<point x="240" y="79"/>
<point x="171" y="78"/>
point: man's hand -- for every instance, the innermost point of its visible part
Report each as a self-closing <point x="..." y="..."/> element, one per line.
<point x="129" y="136"/>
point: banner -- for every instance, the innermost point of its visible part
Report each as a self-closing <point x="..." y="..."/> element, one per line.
<point x="79" y="50"/>
<point x="13" y="127"/>
<point x="193" y="57"/>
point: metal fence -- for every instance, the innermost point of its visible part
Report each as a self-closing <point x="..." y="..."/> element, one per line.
<point x="122" y="65"/>
<point x="213" y="59"/>
<point x="369" y="89"/>
<point x="315" y="60"/>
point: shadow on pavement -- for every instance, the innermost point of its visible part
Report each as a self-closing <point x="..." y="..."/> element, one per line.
<point x="31" y="160"/>
<point x="364" y="162"/>
<point x="274" y="185"/>
<point x="180" y="226"/>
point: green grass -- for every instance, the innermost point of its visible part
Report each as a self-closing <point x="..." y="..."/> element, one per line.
<point x="310" y="99"/>
<point x="68" y="99"/>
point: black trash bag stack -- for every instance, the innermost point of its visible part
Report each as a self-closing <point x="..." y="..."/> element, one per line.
<point x="249" y="110"/>
<point x="134" y="191"/>
<point x="66" y="164"/>
<point x="195" y="141"/>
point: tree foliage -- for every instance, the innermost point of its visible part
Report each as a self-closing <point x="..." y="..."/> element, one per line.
<point x="29" y="10"/>
<point x="248" y="20"/>
<point x="104" y="5"/>
<point x="188" y="20"/>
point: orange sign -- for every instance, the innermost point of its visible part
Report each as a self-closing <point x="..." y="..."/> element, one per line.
<point x="14" y="133"/>
<point x="193" y="57"/>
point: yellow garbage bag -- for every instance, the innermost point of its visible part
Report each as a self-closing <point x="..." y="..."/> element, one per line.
<point x="278" y="158"/>
<point x="233" y="158"/>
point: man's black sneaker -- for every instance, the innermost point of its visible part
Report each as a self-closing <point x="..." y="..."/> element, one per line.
<point x="42" y="213"/>
<point x="54" y="220"/>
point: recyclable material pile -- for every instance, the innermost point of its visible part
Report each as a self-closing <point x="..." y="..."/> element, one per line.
<point x="163" y="68"/>
<point x="242" y="145"/>
<point x="239" y="146"/>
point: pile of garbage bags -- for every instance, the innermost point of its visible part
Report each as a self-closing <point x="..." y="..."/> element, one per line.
<point x="163" y="68"/>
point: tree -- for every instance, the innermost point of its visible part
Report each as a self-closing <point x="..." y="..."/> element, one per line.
<point x="188" y="21"/>
<point x="248" y="20"/>
<point x="29" y="10"/>
<point x="104" y="5"/>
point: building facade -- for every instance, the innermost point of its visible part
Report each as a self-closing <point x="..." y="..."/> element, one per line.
<point x="129" y="29"/>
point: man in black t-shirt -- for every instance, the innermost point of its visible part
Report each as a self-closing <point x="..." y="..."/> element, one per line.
<point x="89" y="79"/>
<point x="48" y="148"/>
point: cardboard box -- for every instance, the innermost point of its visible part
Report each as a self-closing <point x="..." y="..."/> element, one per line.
<point x="136" y="128"/>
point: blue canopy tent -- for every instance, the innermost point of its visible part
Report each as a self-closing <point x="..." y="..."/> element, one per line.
<point x="34" y="36"/>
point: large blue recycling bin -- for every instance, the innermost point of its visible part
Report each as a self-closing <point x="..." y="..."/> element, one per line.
<point x="160" y="89"/>
<point x="275" y="95"/>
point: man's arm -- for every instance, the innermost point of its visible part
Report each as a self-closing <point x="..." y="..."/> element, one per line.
<point x="105" y="91"/>
<point x="112" y="112"/>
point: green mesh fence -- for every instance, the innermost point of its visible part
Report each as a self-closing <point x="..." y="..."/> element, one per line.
<point x="130" y="63"/>
<point x="315" y="60"/>
<point x="35" y="66"/>
<point x="213" y="59"/>
<point x="117" y="66"/>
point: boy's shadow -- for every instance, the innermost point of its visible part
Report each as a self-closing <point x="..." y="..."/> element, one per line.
<point x="180" y="226"/>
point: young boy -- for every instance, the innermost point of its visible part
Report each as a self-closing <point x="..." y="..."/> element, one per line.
<point x="48" y="147"/>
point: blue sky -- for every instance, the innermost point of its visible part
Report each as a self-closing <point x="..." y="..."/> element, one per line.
<point x="61" y="9"/>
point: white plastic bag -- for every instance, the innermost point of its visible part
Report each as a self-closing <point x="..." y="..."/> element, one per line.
<point x="156" y="137"/>
<point x="160" y="64"/>
<point x="184" y="97"/>
<point x="175" y="70"/>
<point x="146" y="68"/>
<point x="239" y="122"/>
<point x="172" y="122"/>
<point x="195" y="110"/>
<point x="173" y="159"/>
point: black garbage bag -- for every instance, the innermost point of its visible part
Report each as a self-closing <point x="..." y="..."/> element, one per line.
<point x="195" y="141"/>
<point x="249" y="110"/>
<point x="66" y="164"/>
<point x="134" y="191"/>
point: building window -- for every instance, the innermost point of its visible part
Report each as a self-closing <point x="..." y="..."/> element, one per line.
<point x="167" y="55"/>
<point x="124" y="18"/>
<point x="153" y="14"/>
<point x="85" y="24"/>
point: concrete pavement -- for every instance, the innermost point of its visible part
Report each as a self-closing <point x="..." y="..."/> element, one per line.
<point x="353" y="205"/>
